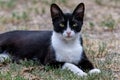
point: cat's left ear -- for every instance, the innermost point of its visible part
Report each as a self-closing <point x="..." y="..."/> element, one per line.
<point x="78" y="13"/>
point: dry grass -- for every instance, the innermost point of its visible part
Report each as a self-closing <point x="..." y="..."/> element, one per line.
<point x="100" y="32"/>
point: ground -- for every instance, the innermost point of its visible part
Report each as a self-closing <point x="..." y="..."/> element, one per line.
<point x="100" y="33"/>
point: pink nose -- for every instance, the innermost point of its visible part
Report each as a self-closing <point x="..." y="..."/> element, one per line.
<point x="68" y="33"/>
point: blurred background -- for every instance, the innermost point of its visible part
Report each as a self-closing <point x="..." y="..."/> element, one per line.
<point x="101" y="29"/>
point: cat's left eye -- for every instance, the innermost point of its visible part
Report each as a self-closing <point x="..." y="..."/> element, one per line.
<point x="75" y="24"/>
<point x="62" y="25"/>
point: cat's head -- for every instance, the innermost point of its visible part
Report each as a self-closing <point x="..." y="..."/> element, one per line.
<point x="67" y="25"/>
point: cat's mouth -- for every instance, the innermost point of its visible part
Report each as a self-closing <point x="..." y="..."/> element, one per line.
<point x="68" y="37"/>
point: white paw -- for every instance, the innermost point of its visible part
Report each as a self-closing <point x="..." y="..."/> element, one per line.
<point x="82" y="74"/>
<point x="74" y="69"/>
<point x="94" y="71"/>
<point x="4" y="57"/>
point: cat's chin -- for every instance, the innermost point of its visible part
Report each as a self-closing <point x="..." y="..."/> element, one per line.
<point x="68" y="38"/>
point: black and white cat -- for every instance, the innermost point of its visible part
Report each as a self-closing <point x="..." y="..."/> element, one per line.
<point x="61" y="47"/>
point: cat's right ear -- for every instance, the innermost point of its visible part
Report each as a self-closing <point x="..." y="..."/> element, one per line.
<point x="56" y="12"/>
<point x="78" y="13"/>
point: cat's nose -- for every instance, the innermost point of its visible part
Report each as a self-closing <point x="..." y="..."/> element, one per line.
<point x="68" y="33"/>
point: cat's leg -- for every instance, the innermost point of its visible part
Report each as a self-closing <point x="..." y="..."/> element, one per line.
<point x="4" y="56"/>
<point x="86" y="65"/>
<point x="74" y="69"/>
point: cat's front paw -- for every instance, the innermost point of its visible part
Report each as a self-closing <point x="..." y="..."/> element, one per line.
<point x="94" y="71"/>
<point x="4" y="58"/>
<point x="82" y="74"/>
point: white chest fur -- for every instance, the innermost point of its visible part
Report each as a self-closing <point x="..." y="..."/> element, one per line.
<point x="67" y="51"/>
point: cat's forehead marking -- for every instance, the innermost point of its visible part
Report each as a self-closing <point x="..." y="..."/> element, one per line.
<point x="68" y="26"/>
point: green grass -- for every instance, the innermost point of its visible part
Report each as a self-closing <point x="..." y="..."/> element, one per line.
<point x="18" y="16"/>
<point x="91" y="25"/>
<point x="110" y="24"/>
<point x="8" y="76"/>
<point x="112" y="3"/>
<point x="55" y="74"/>
<point x="7" y="4"/>
<point x="49" y="2"/>
<point x="99" y="2"/>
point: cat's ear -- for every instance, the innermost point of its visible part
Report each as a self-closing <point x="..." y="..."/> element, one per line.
<point x="56" y="12"/>
<point x="78" y="13"/>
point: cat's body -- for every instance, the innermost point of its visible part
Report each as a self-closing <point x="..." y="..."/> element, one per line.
<point x="62" y="46"/>
<point x="26" y="44"/>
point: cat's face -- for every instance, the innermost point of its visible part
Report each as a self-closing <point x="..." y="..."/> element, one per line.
<point x="67" y="26"/>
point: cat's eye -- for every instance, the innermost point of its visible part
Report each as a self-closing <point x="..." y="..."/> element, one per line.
<point x="62" y="25"/>
<point x="75" y="24"/>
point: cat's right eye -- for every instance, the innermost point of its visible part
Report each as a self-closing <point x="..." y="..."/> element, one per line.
<point x="74" y="25"/>
<point x="62" y="25"/>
